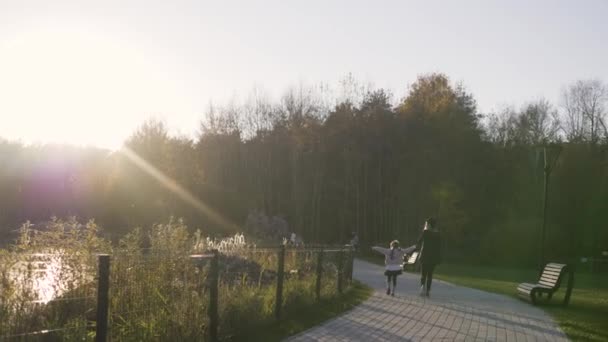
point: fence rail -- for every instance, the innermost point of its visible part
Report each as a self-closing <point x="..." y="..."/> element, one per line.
<point x="195" y="296"/>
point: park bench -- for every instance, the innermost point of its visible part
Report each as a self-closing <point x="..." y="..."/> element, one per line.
<point x="410" y="260"/>
<point x="548" y="283"/>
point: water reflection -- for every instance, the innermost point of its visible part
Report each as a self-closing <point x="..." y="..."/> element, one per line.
<point x="45" y="276"/>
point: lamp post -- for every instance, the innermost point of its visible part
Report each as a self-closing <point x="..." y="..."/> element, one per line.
<point x="548" y="166"/>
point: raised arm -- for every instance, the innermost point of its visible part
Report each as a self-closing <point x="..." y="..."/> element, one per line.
<point x="381" y="250"/>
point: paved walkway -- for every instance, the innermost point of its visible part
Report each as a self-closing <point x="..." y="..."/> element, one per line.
<point x="451" y="313"/>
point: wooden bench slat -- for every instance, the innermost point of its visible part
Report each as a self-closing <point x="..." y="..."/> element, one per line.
<point x="550" y="278"/>
<point x="532" y="286"/>
<point x="548" y="285"/>
<point x="556" y="275"/>
<point x="525" y="286"/>
<point x="553" y="269"/>
<point x="550" y="275"/>
<point x="549" y="282"/>
<point x="552" y="272"/>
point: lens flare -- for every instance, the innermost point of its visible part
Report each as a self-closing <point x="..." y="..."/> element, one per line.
<point x="177" y="189"/>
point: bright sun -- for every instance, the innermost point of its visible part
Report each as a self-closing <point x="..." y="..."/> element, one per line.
<point x="77" y="88"/>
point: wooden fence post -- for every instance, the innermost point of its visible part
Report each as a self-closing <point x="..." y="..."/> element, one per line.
<point x="319" y="273"/>
<point x="340" y="269"/>
<point x="280" y="274"/>
<point x="214" y="294"/>
<point x="103" y="287"/>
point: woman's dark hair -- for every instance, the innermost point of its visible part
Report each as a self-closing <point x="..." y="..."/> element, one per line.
<point x="431" y="222"/>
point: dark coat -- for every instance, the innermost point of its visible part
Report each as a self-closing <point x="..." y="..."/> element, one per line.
<point x="429" y="246"/>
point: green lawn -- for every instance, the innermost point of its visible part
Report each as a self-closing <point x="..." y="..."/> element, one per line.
<point x="300" y="319"/>
<point x="584" y="319"/>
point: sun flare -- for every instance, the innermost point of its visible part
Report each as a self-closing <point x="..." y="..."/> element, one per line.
<point x="77" y="88"/>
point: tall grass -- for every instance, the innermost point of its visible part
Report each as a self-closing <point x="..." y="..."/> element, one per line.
<point x="157" y="292"/>
<point x="47" y="279"/>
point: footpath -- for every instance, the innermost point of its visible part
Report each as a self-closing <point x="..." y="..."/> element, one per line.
<point x="452" y="313"/>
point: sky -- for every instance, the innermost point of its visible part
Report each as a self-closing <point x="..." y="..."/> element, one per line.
<point x="90" y="72"/>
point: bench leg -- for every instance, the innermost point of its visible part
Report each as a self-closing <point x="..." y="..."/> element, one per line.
<point x="533" y="297"/>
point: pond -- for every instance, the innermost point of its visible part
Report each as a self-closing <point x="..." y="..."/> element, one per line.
<point x="41" y="277"/>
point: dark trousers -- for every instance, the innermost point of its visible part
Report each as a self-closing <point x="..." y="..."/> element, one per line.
<point x="427" y="275"/>
<point x="390" y="278"/>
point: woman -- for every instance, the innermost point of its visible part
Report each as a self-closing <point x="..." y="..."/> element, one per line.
<point x="429" y="245"/>
<point x="392" y="259"/>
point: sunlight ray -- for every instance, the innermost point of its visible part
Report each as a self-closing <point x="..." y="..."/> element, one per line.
<point x="174" y="187"/>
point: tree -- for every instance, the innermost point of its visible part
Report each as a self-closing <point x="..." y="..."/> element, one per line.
<point x="365" y="166"/>
<point x="536" y="123"/>
<point x="585" y="109"/>
<point x="442" y="137"/>
<point x="541" y="122"/>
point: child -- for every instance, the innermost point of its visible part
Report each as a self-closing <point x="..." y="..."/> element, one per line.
<point x="392" y="259"/>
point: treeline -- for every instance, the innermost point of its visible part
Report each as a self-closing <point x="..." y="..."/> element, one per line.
<point x="363" y="164"/>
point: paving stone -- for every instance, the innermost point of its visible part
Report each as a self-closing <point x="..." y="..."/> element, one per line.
<point x="452" y="313"/>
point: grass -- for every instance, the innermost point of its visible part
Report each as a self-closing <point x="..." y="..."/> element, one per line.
<point x="159" y="292"/>
<point x="298" y="319"/>
<point x="584" y="319"/>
